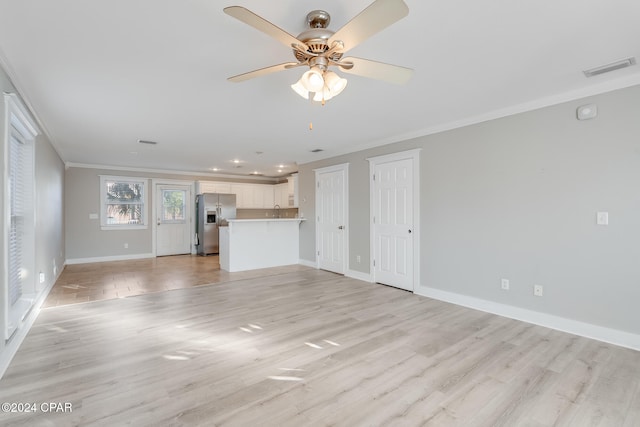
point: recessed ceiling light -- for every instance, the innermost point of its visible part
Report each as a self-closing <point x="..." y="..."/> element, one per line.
<point x="236" y="161"/>
<point x="279" y="170"/>
<point x="214" y="169"/>
<point x="133" y="152"/>
<point x="280" y="166"/>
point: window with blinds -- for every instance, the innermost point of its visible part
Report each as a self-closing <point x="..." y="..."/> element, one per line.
<point x="17" y="191"/>
<point x="20" y="227"/>
<point x="124" y="203"/>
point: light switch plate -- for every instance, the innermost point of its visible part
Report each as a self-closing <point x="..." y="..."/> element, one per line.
<point x="602" y="218"/>
<point x="93" y="216"/>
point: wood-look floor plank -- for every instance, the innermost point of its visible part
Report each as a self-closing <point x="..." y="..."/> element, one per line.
<point x="295" y="346"/>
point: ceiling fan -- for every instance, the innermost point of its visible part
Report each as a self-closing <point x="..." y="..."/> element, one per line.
<point x="320" y="48"/>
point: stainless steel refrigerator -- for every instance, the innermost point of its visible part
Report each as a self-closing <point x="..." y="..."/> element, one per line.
<point x="212" y="210"/>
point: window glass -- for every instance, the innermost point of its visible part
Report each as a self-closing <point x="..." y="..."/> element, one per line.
<point x="124" y="202"/>
<point x="173" y="206"/>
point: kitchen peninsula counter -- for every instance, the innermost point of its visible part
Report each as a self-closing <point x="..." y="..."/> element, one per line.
<point x="248" y="244"/>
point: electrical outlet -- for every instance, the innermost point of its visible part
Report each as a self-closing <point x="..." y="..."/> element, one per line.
<point x="505" y="284"/>
<point x="537" y="290"/>
<point x="41" y="277"/>
<point x="358" y="259"/>
<point x="126" y="245"/>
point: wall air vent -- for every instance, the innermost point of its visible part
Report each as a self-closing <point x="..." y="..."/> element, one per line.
<point x="624" y="63"/>
<point x="142" y="141"/>
<point x="317" y="150"/>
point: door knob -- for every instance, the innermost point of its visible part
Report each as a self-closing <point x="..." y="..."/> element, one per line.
<point x="409" y="231"/>
<point x="340" y="227"/>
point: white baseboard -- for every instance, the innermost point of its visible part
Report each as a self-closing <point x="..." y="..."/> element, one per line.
<point x="10" y="350"/>
<point x="365" y="277"/>
<point x="108" y="258"/>
<point x="587" y="330"/>
<point x="307" y="263"/>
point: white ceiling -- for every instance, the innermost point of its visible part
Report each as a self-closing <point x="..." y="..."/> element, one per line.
<point x="100" y="75"/>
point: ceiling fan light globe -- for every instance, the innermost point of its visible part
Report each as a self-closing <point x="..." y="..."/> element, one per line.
<point x="300" y="90"/>
<point x="334" y="82"/>
<point x="312" y="80"/>
<point x="324" y="95"/>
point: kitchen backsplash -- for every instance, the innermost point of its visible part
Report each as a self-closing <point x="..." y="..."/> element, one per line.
<point x="265" y="213"/>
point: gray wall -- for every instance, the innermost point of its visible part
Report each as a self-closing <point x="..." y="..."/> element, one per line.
<point x="517" y="198"/>
<point x="84" y="237"/>
<point x="49" y="182"/>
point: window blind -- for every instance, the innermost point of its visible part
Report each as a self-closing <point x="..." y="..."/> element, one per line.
<point x="17" y="193"/>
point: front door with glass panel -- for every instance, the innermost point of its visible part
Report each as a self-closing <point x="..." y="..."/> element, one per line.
<point x="173" y="220"/>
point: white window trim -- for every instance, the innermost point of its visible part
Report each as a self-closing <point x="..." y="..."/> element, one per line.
<point x="18" y="116"/>
<point x="103" y="204"/>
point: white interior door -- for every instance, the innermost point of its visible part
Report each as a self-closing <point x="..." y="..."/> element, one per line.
<point x="173" y="219"/>
<point x="393" y="223"/>
<point x="331" y="217"/>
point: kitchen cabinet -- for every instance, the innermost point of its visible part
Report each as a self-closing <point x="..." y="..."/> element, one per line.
<point x="253" y="196"/>
<point x="244" y="197"/>
<point x="262" y="196"/>
<point x="293" y="191"/>
<point x="213" y="187"/>
<point x="281" y="195"/>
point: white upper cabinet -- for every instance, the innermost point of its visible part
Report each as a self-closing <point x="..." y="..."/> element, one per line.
<point x="293" y="191"/>
<point x="244" y="196"/>
<point x="262" y="196"/>
<point x="281" y="195"/>
<point x="213" y="187"/>
<point x="223" y="187"/>
<point x="255" y="196"/>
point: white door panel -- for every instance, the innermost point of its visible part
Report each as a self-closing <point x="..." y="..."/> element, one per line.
<point x="393" y="223"/>
<point x="331" y="220"/>
<point x="173" y="225"/>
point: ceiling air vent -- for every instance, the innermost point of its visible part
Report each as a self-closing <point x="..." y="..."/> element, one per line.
<point x="142" y="141"/>
<point x="317" y="150"/>
<point x="624" y="63"/>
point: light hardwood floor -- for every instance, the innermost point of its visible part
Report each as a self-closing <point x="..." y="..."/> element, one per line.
<point x="301" y="347"/>
<point x="108" y="280"/>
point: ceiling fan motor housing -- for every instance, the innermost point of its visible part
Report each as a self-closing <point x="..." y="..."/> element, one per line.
<point x="317" y="36"/>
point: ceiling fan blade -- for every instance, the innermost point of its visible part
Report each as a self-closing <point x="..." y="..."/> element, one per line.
<point x="259" y="23"/>
<point x="263" y="71"/>
<point x="377" y="70"/>
<point x="376" y="17"/>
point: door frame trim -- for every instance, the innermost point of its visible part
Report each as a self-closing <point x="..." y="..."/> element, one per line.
<point x="155" y="182"/>
<point x="344" y="168"/>
<point x="413" y="155"/>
